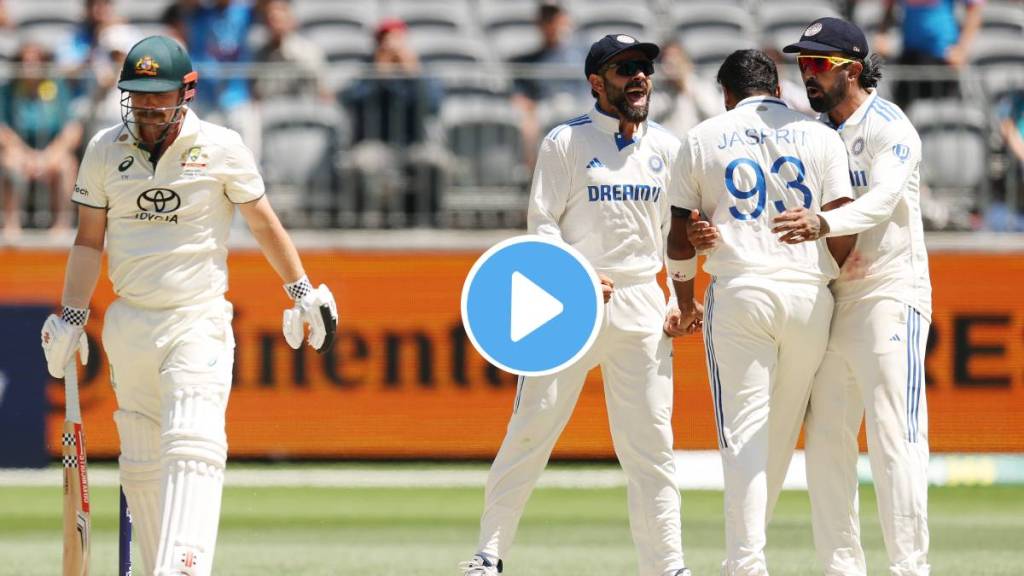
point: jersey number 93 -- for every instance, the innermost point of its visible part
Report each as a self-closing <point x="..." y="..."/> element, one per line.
<point x="760" y="188"/>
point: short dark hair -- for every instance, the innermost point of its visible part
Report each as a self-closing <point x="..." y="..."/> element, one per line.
<point x="548" y="9"/>
<point x="747" y="73"/>
<point x="872" y="71"/>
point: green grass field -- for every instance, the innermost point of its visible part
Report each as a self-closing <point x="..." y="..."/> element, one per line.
<point x="427" y="531"/>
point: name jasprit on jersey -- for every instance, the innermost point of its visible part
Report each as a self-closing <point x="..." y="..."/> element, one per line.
<point x="623" y="192"/>
<point x="753" y="136"/>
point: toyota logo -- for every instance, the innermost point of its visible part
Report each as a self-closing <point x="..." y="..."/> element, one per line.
<point x="160" y="200"/>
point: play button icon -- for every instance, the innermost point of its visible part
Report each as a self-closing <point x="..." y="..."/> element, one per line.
<point x="532" y="305"/>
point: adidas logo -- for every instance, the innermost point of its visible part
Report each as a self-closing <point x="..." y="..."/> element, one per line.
<point x="595" y="163"/>
<point x="895" y="338"/>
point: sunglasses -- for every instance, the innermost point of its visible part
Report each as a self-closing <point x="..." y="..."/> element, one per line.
<point x="629" y="68"/>
<point x="819" y="64"/>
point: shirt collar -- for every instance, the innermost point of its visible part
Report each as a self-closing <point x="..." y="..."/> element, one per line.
<point x="610" y="124"/>
<point x="858" y="114"/>
<point x="762" y="100"/>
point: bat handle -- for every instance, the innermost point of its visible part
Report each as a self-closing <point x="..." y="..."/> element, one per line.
<point x="124" y="548"/>
<point x="72" y="410"/>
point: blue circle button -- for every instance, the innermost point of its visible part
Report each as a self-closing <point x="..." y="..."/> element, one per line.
<point x="532" y="305"/>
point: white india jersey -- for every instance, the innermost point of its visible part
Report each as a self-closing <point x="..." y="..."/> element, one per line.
<point x="167" y="225"/>
<point x="890" y="259"/>
<point x="606" y="196"/>
<point x="743" y="168"/>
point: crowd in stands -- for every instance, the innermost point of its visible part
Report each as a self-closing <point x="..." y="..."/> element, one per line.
<point x="394" y="113"/>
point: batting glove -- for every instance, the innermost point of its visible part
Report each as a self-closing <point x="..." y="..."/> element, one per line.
<point x="315" y="307"/>
<point x="62" y="336"/>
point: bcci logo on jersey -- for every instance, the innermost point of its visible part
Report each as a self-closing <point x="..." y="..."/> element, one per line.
<point x="156" y="204"/>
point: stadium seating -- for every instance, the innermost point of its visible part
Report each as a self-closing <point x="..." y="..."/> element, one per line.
<point x="468" y="45"/>
<point x="954" y="141"/>
<point x="301" y="144"/>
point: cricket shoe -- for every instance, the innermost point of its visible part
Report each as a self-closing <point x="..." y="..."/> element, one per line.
<point x="480" y="565"/>
<point x="684" y="572"/>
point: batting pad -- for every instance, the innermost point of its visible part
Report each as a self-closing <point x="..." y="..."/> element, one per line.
<point x="140" y="477"/>
<point x="194" y="451"/>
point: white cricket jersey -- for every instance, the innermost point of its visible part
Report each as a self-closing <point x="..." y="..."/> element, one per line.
<point x="745" y="167"/>
<point x="606" y="196"/>
<point x="889" y="259"/>
<point x="167" y="226"/>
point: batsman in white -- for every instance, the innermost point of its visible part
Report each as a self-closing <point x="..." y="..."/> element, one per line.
<point x="874" y="364"/>
<point x="768" y="306"/>
<point x="600" y="185"/>
<point x="162" y="188"/>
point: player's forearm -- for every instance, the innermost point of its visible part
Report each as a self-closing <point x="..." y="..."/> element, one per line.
<point x="273" y="240"/>
<point x="84" y="260"/>
<point x="866" y="212"/>
<point x="684" y="294"/>
<point x="80" y="276"/>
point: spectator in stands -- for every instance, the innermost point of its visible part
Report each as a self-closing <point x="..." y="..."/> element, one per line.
<point x="5" y="17"/>
<point x="175" y="19"/>
<point x="99" y="14"/>
<point x="397" y="160"/>
<point x="540" y="99"/>
<point x="38" y="138"/>
<point x="1007" y="214"/>
<point x="931" y="36"/>
<point x="299" y="63"/>
<point x="82" y="53"/>
<point x="217" y="39"/>
<point x="682" y="98"/>
<point x="101" y="108"/>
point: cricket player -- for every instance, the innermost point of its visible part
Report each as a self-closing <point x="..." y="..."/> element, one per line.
<point x="874" y="364"/>
<point x="600" y="185"/>
<point x="768" y="307"/>
<point x="161" y="188"/>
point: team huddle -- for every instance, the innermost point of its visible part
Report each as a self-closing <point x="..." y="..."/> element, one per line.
<point x="817" y="312"/>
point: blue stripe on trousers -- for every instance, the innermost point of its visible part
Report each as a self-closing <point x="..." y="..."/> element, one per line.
<point x="709" y="346"/>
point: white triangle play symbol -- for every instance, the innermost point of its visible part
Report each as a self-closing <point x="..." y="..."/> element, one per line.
<point x="532" y="307"/>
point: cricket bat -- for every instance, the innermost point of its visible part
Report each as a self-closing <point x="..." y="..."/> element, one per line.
<point x="76" y="480"/>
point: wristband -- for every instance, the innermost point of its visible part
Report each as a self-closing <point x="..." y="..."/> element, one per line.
<point x="296" y="290"/>
<point x="74" y="316"/>
<point x="682" y="270"/>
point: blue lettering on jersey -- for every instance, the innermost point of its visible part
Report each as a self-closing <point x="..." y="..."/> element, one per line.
<point x="753" y="137"/>
<point x="858" y="178"/>
<point x="623" y="193"/>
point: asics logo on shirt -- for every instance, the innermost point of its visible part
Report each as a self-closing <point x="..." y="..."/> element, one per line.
<point x="623" y="193"/>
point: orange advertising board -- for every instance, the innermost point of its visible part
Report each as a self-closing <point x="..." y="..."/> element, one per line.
<point x="403" y="381"/>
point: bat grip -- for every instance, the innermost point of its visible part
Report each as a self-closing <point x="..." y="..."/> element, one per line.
<point x="72" y="410"/>
<point x="124" y="547"/>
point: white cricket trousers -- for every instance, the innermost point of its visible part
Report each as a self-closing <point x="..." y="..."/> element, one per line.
<point x="874" y="367"/>
<point x="764" y="340"/>
<point x="636" y="365"/>
<point x="171" y="372"/>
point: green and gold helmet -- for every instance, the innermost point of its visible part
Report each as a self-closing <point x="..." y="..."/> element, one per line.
<point x="156" y="64"/>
